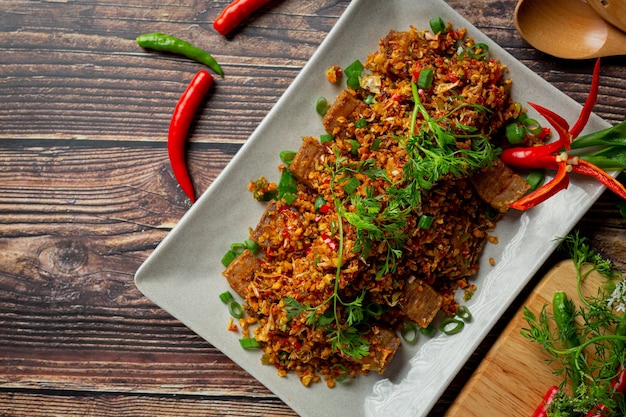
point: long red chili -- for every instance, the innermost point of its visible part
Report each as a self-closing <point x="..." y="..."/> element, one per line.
<point x="235" y="13"/>
<point x="179" y="127"/>
<point x="551" y="155"/>
<point x="542" y="408"/>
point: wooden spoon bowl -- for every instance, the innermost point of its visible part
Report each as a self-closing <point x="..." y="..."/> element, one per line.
<point x="568" y="29"/>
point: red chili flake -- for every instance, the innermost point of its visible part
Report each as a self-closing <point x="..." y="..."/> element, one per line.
<point x="324" y="208"/>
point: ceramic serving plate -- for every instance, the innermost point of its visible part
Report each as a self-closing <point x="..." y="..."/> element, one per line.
<point x="183" y="274"/>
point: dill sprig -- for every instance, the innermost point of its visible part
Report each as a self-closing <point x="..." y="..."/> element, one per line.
<point x="602" y="330"/>
<point x="433" y="152"/>
<point x="380" y="221"/>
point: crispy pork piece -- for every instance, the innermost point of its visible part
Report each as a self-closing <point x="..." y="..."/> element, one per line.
<point x="499" y="186"/>
<point x="306" y="160"/>
<point x="271" y="230"/>
<point x="384" y="344"/>
<point x="346" y="108"/>
<point x="240" y="271"/>
<point x="420" y="302"/>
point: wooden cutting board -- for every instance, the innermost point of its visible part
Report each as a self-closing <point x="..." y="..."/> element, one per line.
<point x="514" y="376"/>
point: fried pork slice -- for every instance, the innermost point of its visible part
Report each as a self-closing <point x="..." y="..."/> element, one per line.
<point x="346" y="108"/>
<point x="306" y="160"/>
<point x="420" y="302"/>
<point x="271" y="230"/>
<point x="383" y="346"/>
<point x="241" y="271"/>
<point x="499" y="186"/>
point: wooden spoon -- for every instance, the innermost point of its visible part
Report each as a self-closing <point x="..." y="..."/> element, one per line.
<point x="613" y="11"/>
<point x="568" y="29"/>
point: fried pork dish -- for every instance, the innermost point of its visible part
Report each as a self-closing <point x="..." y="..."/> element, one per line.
<point x="382" y="220"/>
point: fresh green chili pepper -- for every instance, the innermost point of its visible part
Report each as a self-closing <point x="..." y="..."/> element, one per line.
<point x="168" y="43"/>
<point x="515" y="133"/>
<point x="564" y="313"/>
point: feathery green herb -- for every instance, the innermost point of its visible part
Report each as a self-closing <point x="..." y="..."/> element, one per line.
<point x="380" y="221"/>
<point x="603" y="332"/>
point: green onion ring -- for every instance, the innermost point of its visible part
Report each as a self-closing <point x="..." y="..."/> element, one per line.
<point x="446" y="328"/>
<point x="409" y="333"/>
<point x="235" y="309"/>
<point x="464" y="313"/>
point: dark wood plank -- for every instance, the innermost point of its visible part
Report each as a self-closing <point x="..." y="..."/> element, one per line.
<point x="86" y="191"/>
<point x="114" y="405"/>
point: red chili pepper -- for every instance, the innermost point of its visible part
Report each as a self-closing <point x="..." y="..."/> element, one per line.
<point x="235" y="13"/>
<point x="541" y="194"/>
<point x="179" y="127"/>
<point x="550" y="156"/>
<point x="598" y="411"/>
<point x="542" y="408"/>
<point x="589" y="103"/>
<point x="586" y="168"/>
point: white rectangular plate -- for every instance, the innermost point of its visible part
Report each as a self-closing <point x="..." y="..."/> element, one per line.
<point x="183" y="275"/>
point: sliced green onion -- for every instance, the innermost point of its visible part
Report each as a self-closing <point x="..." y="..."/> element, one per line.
<point x="339" y="372"/>
<point x="287" y="187"/>
<point x="374" y="309"/>
<point x="437" y="25"/>
<point x="249" y="343"/>
<point x="478" y="50"/>
<point x="370" y="99"/>
<point x="425" y="221"/>
<point x="428" y="331"/>
<point x="326" y="137"/>
<point x="515" y="133"/>
<point x="409" y="333"/>
<point x="361" y="123"/>
<point x="252" y="246"/>
<point x="464" y="313"/>
<point x="353" y="72"/>
<point x="351" y="186"/>
<point x="535" y="179"/>
<point x="237" y="247"/>
<point x="451" y="326"/>
<point x="226" y="296"/>
<point x="355" y="145"/>
<point x="376" y="144"/>
<point x="235" y="309"/>
<point x="228" y="257"/>
<point x="425" y="79"/>
<point x="287" y="157"/>
<point x="492" y="213"/>
<point x="532" y="126"/>
<point x="321" y="106"/>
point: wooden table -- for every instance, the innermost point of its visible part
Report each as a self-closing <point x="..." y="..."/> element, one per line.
<point x="86" y="191"/>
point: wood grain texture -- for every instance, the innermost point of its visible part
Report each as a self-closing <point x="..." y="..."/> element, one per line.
<point x="86" y="191"/>
<point x="515" y="374"/>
